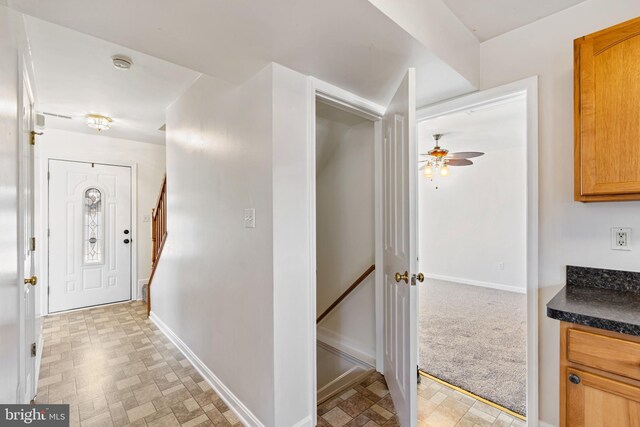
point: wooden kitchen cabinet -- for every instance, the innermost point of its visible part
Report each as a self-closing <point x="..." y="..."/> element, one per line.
<point x="600" y="378"/>
<point x="607" y="114"/>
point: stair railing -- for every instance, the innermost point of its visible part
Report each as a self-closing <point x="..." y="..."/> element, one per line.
<point x="158" y="235"/>
<point x="346" y="293"/>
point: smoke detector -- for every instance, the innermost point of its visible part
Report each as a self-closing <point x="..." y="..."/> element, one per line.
<point x="121" y="62"/>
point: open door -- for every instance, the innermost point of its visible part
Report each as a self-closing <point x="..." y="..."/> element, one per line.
<point x="27" y="246"/>
<point x="399" y="160"/>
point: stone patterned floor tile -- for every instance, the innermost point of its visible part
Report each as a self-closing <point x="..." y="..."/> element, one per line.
<point x="115" y="368"/>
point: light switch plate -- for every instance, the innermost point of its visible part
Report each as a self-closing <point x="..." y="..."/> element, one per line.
<point x="250" y="218"/>
<point x="621" y="239"/>
<point x="146" y="218"/>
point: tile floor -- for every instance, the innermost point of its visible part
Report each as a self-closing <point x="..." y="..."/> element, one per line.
<point x="369" y="404"/>
<point x="441" y="406"/>
<point x="115" y="368"/>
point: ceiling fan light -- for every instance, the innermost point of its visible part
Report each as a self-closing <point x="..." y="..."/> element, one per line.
<point x="428" y="171"/>
<point x="444" y="170"/>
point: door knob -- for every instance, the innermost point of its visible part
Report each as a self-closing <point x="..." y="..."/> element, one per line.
<point x="126" y="240"/>
<point x="126" y="231"/>
<point x="33" y="280"/>
<point x="404" y="277"/>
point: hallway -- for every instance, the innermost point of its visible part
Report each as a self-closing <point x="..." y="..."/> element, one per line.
<point x="115" y="368"/>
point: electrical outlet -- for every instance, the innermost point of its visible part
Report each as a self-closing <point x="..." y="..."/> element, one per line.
<point x="146" y="218"/>
<point x="501" y="266"/>
<point x="621" y="239"/>
<point x="250" y="218"/>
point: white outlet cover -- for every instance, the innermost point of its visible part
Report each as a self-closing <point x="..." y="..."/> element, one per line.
<point x="618" y="242"/>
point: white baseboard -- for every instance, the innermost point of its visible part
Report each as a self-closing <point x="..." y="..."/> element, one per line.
<point x="345" y="345"/>
<point x="305" y="422"/>
<point x="243" y="413"/>
<point x="480" y="283"/>
<point x="543" y="424"/>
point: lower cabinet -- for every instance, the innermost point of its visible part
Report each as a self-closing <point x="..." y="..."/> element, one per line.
<point x="595" y="401"/>
<point x="600" y="378"/>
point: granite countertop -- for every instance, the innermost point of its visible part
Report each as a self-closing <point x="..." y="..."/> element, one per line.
<point x="605" y="299"/>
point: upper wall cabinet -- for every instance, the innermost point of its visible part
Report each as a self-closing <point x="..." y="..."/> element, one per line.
<point x="607" y="114"/>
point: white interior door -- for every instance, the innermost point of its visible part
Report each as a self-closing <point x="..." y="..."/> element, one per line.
<point x="399" y="220"/>
<point x="28" y="335"/>
<point x="89" y="234"/>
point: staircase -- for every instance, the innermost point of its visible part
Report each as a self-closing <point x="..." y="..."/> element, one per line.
<point x="158" y="235"/>
<point x="337" y="370"/>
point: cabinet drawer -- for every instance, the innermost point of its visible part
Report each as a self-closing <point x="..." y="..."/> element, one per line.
<point x="605" y="353"/>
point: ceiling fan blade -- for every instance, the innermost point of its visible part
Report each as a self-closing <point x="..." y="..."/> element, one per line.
<point x="466" y="155"/>
<point x="459" y="162"/>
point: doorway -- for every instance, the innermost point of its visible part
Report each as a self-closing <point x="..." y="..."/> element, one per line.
<point x="478" y="250"/>
<point x="345" y="248"/>
<point x="90" y="234"/>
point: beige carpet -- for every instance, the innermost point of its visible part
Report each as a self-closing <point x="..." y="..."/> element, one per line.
<point x="475" y="338"/>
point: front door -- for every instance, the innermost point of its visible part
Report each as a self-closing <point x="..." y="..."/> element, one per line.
<point x="90" y="234"/>
<point x="399" y="159"/>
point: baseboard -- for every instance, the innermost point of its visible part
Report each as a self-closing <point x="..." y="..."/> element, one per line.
<point x="480" y="283"/>
<point x="543" y="424"/>
<point x="243" y="413"/>
<point x="345" y="345"/>
<point x="305" y="422"/>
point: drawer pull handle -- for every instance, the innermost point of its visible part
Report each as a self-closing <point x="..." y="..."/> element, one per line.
<point x="574" y="379"/>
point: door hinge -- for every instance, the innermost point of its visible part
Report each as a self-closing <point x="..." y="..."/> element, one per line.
<point x="48" y="290"/>
<point x="48" y="175"/>
<point x="48" y="232"/>
<point x="33" y="350"/>
<point x="33" y="244"/>
<point x="32" y="141"/>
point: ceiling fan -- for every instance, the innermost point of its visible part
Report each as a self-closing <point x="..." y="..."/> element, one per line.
<point x="440" y="159"/>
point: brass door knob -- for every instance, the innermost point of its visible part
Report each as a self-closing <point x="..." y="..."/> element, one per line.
<point x="33" y="280"/>
<point x="404" y="277"/>
<point x="420" y="277"/>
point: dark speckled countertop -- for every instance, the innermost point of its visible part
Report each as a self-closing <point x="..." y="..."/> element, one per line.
<point x="605" y="299"/>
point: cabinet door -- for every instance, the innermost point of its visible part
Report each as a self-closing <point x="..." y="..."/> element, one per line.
<point x="608" y="113"/>
<point x="595" y="401"/>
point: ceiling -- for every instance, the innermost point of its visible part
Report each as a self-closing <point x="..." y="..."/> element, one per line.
<point x="490" y="127"/>
<point x="350" y="44"/>
<point x="74" y="76"/>
<point x="490" y="18"/>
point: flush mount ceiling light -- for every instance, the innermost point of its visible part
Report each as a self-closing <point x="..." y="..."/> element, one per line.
<point x="121" y="62"/>
<point x="98" y="122"/>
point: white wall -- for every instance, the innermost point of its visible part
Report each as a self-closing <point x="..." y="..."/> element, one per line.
<point x="66" y="145"/>
<point x="9" y="279"/>
<point x="473" y="222"/>
<point x="345" y="232"/>
<point x="232" y="294"/>
<point x="570" y="232"/>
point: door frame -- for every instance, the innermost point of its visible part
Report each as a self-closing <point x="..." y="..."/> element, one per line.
<point x="44" y="210"/>
<point x="528" y="87"/>
<point x="349" y="102"/>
